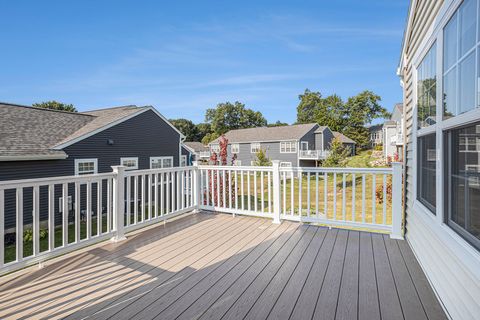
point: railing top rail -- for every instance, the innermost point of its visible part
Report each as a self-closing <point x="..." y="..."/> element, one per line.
<point x="10" y="184"/>
<point x="236" y="168"/>
<point x="338" y="170"/>
<point x="131" y="173"/>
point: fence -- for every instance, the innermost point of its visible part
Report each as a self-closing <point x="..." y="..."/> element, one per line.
<point x="43" y="218"/>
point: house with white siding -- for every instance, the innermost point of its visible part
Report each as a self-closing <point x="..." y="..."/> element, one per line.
<point x="439" y="70"/>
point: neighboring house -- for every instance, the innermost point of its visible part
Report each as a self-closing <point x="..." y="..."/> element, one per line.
<point x="38" y="143"/>
<point x="198" y="151"/>
<point x="439" y="71"/>
<point x="376" y="135"/>
<point x="393" y="134"/>
<point x="295" y="145"/>
<point x="348" y="143"/>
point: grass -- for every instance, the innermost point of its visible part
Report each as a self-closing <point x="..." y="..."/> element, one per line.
<point x="361" y="160"/>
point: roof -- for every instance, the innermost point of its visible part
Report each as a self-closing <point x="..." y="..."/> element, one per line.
<point x="321" y="129"/>
<point x="399" y="106"/>
<point x="390" y="123"/>
<point x="376" y="127"/>
<point x="196" y="146"/>
<point x="343" y="138"/>
<point x="30" y="133"/>
<point x="293" y="132"/>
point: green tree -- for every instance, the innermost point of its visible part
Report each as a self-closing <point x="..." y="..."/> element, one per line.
<point x="187" y="127"/>
<point x="55" y="105"/>
<point x="325" y="111"/>
<point x="261" y="159"/>
<point x="278" y="123"/>
<point x="209" y="137"/>
<point x="229" y="116"/>
<point x="202" y="130"/>
<point x="338" y="154"/>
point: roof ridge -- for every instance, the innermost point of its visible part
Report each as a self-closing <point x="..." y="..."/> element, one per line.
<point x="117" y="107"/>
<point x="44" y="109"/>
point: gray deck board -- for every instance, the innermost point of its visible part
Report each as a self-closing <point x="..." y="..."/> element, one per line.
<point x="214" y="266"/>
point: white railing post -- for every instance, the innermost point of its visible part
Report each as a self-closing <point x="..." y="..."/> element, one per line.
<point x="118" y="202"/>
<point x="397" y="187"/>
<point x="276" y="191"/>
<point x="196" y="187"/>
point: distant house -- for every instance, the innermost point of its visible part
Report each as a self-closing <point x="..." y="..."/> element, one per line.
<point x="197" y="151"/>
<point x="347" y="142"/>
<point x="295" y="145"/>
<point x="393" y="133"/>
<point x="376" y="135"/>
<point x="37" y="142"/>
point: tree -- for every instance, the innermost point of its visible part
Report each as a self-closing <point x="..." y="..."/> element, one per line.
<point x="325" y="111"/>
<point x="261" y="159"/>
<point x="202" y="130"/>
<point x="187" y="127"/>
<point x="277" y="124"/>
<point x="209" y="138"/>
<point x="337" y="155"/>
<point x="55" y="105"/>
<point x="229" y="116"/>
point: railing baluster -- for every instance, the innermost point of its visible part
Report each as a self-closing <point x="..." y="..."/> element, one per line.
<point x="135" y="200"/>
<point x="248" y="190"/>
<point x="284" y="196"/>
<point x="344" y="200"/>
<point x="262" y="191"/>
<point x="300" y="191"/>
<point x="168" y="186"/>
<point x="128" y="198"/>
<point x="270" y="204"/>
<point x="207" y="182"/>
<point x="162" y="193"/>
<point x="182" y="190"/>
<point x="217" y="175"/>
<point x="156" y="196"/>
<point x="109" y="205"/>
<point x="99" y="207"/>
<point x="316" y="194"/>
<point x="224" y="188"/>
<point x="177" y="185"/>
<point x="384" y="199"/>
<point x="149" y="215"/>
<point x="363" y="197"/>
<point x="2" y="227"/>
<point x="19" y="231"/>
<point x="374" y="198"/>
<point x="242" y="196"/>
<point x="308" y="194"/>
<point x="292" y="193"/>
<point x="51" y="217"/>
<point x="230" y="189"/>
<point x="325" y="194"/>
<point x="143" y="195"/>
<point x="89" y="210"/>
<point x="36" y="220"/>
<point x="65" y="214"/>
<point x="354" y="182"/>
<point x="335" y="196"/>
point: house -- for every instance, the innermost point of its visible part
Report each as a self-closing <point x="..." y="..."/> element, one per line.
<point x="39" y="142"/>
<point x="348" y="143"/>
<point x="376" y="135"/>
<point x="393" y="134"/>
<point x="439" y="69"/>
<point x="197" y="150"/>
<point x="295" y="145"/>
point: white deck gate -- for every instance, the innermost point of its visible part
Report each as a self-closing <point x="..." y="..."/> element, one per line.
<point x="51" y="216"/>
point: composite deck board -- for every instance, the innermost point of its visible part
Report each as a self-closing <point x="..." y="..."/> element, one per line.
<point x="214" y="266"/>
<point x="411" y="306"/>
<point x="347" y="304"/>
<point x="368" y="303"/>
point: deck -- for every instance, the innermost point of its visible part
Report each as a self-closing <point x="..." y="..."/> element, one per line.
<point x="213" y="266"/>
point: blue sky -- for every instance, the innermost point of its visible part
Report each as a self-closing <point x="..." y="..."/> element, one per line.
<point x="183" y="57"/>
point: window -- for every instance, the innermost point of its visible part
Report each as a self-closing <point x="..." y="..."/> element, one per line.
<point x="215" y="148"/>
<point x="426" y="171"/>
<point x="161" y="162"/>
<point x="462" y="192"/>
<point x="288" y="147"/>
<point x="183" y="161"/>
<point x="427" y="89"/>
<point x="285" y="164"/>
<point x="130" y="163"/>
<point x="459" y="63"/>
<point x="85" y="166"/>
<point x="304" y="145"/>
<point x="235" y="148"/>
<point x="254" y="147"/>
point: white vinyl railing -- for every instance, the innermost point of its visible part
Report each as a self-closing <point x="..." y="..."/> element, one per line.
<point x="313" y="154"/>
<point x="43" y="218"/>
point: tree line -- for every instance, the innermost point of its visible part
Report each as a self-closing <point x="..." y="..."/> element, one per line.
<point x="350" y="117"/>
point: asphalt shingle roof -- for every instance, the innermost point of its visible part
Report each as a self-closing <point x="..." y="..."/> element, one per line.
<point x="343" y="138"/>
<point x="293" y="132"/>
<point x="196" y="146"/>
<point x="32" y="132"/>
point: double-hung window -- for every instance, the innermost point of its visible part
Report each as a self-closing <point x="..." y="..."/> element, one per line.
<point x="131" y="163"/>
<point x="161" y="162"/>
<point x="85" y="166"/>
<point x="235" y="148"/>
<point x="254" y="147"/>
<point x="288" y="147"/>
<point x="215" y="148"/>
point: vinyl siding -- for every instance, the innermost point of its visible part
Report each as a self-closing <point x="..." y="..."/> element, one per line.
<point x="272" y="150"/>
<point x="445" y="258"/>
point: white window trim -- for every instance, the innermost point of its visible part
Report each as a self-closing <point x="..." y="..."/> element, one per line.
<point x="285" y="164"/>
<point x="237" y="148"/>
<point x="130" y="159"/>
<point x="215" y="148"/>
<point x="183" y="158"/>
<point x="253" y="146"/>
<point x="161" y="158"/>
<point x="95" y="165"/>
<point x="293" y="146"/>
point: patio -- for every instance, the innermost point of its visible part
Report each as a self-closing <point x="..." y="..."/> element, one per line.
<point x="213" y="266"/>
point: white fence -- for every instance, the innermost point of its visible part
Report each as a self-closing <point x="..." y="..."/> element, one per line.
<point x="43" y="218"/>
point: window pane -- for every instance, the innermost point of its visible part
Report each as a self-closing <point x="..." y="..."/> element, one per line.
<point x="450" y="44"/>
<point x="463" y="182"/>
<point x="468" y="15"/>
<point x="467" y="84"/>
<point x="427" y="90"/>
<point x="449" y="94"/>
<point x="427" y="171"/>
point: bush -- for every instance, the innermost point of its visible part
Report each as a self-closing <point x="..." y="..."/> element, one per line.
<point x="28" y="234"/>
<point x="378" y="147"/>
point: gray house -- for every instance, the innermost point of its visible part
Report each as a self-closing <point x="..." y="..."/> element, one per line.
<point x="296" y="145"/>
<point x="197" y="151"/>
